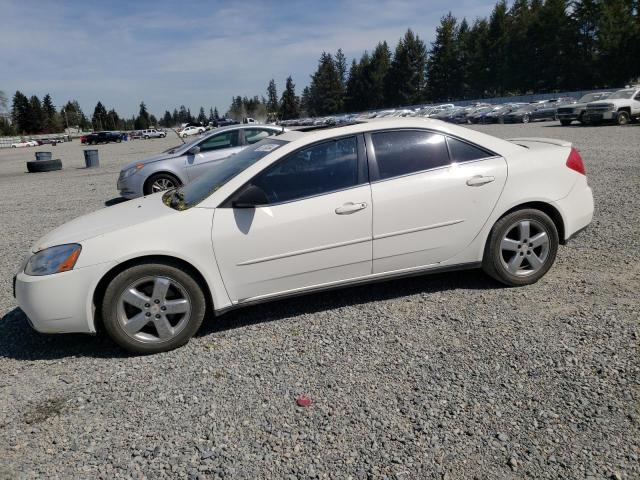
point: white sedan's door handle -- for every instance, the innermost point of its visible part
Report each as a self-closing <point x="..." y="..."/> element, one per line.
<point x="478" y="180"/>
<point x="350" y="207"/>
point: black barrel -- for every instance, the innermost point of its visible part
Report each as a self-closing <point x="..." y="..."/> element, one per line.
<point x="43" y="156"/>
<point x="91" y="159"/>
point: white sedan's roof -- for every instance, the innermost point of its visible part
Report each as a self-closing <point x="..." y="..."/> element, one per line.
<point x="492" y="143"/>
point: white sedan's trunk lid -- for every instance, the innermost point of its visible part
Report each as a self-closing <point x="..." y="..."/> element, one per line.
<point x="536" y="142"/>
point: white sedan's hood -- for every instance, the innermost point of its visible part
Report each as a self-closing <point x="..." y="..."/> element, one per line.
<point x="106" y="220"/>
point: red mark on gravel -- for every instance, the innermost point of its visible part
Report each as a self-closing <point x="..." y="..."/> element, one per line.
<point x="303" y="401"/>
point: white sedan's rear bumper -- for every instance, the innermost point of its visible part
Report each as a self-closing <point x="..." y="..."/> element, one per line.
<point x="60" y="303"/>
<point x="577" y="209"/>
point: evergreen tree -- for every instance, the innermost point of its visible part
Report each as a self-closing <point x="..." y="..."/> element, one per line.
<point x="216" y="116"/>
<point x="496" y="49"/>
<point x="376" y="74"/>
<point x="142" y="121"/>
<point x="20" y="113"/>
<point x="272" y="99"/>
<point x="462" y="47"/>
<point x="175" y="118"/>
<point x="518" y="48"/>
<point x="73" y="116"/>
<point x="113" y="121"/>
<point x="444" y="70"/>
<point x="359" y="85"/>
<point x="167" y="120"/>
<point x="305" y="101"/>
<point x="289" y="105"/>
<point x="99" y="117"/>
<point x="618" y="41"/>
<point x="52" y="120"/>
<point x="202" y="117"/>
<point x="405" y="81"/>
<point x="325" y="91"/>
<point x="477" y="67"/>
<point x="36" y="115"/>
<point x="341" y="67"/>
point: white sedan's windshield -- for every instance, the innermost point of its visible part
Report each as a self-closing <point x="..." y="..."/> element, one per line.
<point x="195" y="192"/>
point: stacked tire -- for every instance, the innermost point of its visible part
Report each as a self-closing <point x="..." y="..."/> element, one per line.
<point x="38" y="166"/>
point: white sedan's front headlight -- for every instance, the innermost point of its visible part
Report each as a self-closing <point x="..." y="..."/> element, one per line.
<point x="53" y="260"/>
<point x="131" y="170"/>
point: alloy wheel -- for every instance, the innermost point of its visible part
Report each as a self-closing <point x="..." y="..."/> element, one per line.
<point x="154" y="309"/>
<point x="162" y="184"/>
<point x="524" y="248"/>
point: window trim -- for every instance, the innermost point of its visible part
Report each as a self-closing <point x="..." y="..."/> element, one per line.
<point x="374" y="172"/>
<point x="243" y="134"/>
<point x="363" y="172"/>
<point x="240" y="141"/>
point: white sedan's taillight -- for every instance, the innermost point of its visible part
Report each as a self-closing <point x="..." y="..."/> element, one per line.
<point x="574" y="162"/>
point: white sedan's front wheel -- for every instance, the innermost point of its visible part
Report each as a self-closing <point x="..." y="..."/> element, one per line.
<point x="521" y="248"/>
<point x="152" y="308"/>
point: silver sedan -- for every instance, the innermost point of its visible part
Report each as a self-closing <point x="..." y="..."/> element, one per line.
<point x="180" y="165"/>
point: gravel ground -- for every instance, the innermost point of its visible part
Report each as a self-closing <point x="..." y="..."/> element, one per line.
<point x="444" y="376"/>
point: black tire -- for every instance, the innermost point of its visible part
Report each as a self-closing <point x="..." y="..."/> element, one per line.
<point x="494" y="263"/>
<point x="162" y="135"/>
<point x="167" y="177"/>
<point x="44" y="166"/>
<point x="525" y="119"/>
<point x="582" y="119"/>
<point x="146" y="137"/>
<point x="623" y="118"/>
<point x="111" y="311"/>
<point x="565" y="123"/>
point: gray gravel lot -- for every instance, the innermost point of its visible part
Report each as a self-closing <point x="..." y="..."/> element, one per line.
<point x="444" y="376"/>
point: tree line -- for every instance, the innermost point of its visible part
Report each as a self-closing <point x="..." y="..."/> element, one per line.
<point x="534" y="46"/>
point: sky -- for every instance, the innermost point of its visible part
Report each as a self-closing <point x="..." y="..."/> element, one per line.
<point x="196" y="53"/>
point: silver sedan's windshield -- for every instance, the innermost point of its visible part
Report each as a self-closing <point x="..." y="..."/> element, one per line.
<point x="195" y="192"/>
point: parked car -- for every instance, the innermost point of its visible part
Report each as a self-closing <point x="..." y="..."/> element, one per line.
<point x="24" y="143"/>
<point x="621" y="107"/>
<point x="186" y="162"/>
<point x="568" y="113"/>
<point x="303" y="212"/>
<point x="549" y="109"/>
<point x="103" y="137"/>
<point x="479" y="115"/>
<point x="224" y="122"/>
<point x="152" y="133"/>
<point x="188" y="131"/>
<point x="497" y="114"/>
<point x="520" y="115"/>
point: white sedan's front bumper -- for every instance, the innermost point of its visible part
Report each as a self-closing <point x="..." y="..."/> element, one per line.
<point x="62" y="302"/>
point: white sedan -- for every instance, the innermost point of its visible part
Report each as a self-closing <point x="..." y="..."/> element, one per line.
<point x="24" y="143"/>
<point x="188" y="131"/>
<point x="301" y="212"/>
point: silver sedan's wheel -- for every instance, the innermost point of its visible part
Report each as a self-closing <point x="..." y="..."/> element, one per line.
<point x="524" y="248"/>
<point x="521" y="247"/>
<point x="154" y="309"/>
<point x="161" y="184"/>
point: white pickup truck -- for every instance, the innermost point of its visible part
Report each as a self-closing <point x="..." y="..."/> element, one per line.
<point x="621" y="107"/>
<point x="152" y="133"/>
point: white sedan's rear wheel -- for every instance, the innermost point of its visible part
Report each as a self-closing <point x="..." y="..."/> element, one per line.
<point x="521" y="248"/>
<point x="152" y="308"/>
